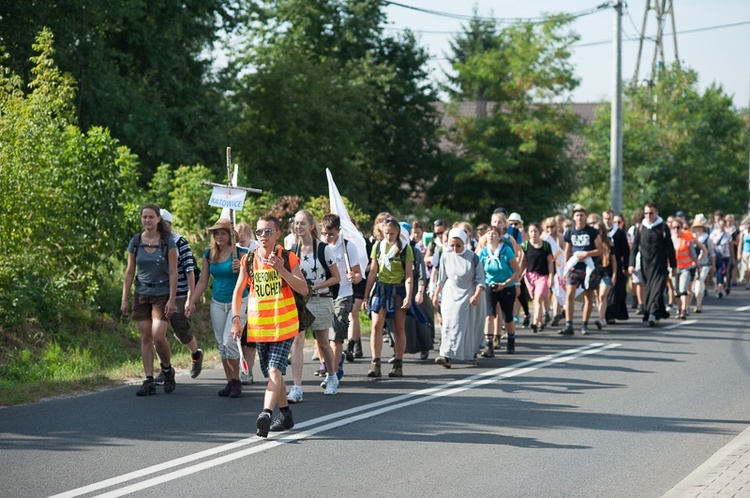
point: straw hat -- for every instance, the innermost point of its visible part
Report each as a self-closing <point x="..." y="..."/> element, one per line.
<point x="224" y="224"/>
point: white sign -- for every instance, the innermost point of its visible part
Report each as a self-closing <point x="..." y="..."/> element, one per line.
<point x="229" y="198"/>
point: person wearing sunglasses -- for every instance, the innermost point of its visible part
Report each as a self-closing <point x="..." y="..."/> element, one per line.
<point x="270" y="276"/>
<point x="221" y="263"/>
<point x="653" y="243"/>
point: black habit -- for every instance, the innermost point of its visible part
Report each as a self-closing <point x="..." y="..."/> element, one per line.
<point x="654" y="242"/>
<point x="617" y="306"/>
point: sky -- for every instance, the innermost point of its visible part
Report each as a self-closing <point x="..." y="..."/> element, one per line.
<point x="720" y="56"/>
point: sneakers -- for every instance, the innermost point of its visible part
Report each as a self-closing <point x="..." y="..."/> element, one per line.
<point x="159" y="379"/>
<point x="599" y="324"/>
<point x="423" y="355"/>
<point x="340" y="371"/>
<point x="547" y="318"/>
<point x="397" y="370"/>
<point x="556" y="320"/>
<point x="227" y="390"/>
<point x="321" y="371"/>
<point x="526" y="321"/>
<point x="295" y="395"/>
<point x="584" y="330"/>
<point x="148" y="387"/>
<point x="651" y="321"/>
<point x="263" y="424"/>
<point x="282" y="422"/>
<point x="535" y="328"/>
<point x="374" y="371"/>
<point x="567" y="330"/>
<point x="443" y="361"/>
<point x="169" y="383"/>
<point x="511" y="346"/>
<point x="358" y="349"/>
<point x="332" y="385"/>
<point x="246" y="378"/>
<point x="719" y="294"/>
<point x="197" y="366"/>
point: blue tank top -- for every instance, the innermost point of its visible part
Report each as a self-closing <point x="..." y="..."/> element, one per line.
<point x="224" y="279"/>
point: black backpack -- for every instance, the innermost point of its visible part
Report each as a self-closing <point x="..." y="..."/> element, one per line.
<point x="320" y="256"/>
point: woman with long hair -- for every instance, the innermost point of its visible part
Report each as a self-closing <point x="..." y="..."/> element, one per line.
<point x="390" y="281"/>
<point x="220" y="262"/>
<point x="153" y="254"/>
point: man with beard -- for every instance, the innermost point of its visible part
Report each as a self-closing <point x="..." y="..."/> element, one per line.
<point x="653" y="242"/>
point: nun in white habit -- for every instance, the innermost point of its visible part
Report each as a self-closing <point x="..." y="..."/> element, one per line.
<point x="463" y="308"/>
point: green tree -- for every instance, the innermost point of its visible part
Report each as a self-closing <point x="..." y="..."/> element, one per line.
<point x="479" y="36"/>
<point x="328" y="89"/>
<point x="64" y="199"/>
<point x="682" y="149"/>
<point x="516" y="156"/>
<point x="143" y="69"/>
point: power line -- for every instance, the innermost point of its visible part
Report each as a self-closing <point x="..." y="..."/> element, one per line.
<point x="653" y="38"/>
<point x="499" y="20"/>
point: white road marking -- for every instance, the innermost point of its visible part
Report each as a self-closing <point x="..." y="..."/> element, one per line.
<point x="347" y="417"/>
<point x="680" y="324"/>
<point x="743" y="308"/>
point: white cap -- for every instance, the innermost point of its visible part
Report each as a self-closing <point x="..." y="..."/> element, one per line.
<point x="166" y="215"/>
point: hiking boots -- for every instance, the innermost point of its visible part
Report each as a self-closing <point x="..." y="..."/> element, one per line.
<point x="374" y="369"/>
<point x="263" y="424"/>
<point x="511" y="345"/>
<point x="169" y="383"/>
<point x="350" y="351"/>
<point x="233" y="389"/>
<point x="358" y="349"/>
<point x="147" y="388"/>
<point x="397" y="370"/>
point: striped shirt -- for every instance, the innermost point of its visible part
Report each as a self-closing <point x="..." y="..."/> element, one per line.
<point x="185" y="264"/>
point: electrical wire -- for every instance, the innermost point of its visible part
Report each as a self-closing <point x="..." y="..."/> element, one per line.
<point x="653" y="38"/>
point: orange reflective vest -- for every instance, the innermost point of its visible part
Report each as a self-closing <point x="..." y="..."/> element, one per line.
<point x="682" y="251"/>
<point x="271" y="309"/>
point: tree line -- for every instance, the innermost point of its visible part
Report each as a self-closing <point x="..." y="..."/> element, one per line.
<point x="108" y="105"/>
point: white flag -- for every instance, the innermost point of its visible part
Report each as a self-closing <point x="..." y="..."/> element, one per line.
<point x="348" y="230"/>
<point x="558" y="284"/>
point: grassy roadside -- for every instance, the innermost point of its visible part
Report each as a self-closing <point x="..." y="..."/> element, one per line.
<point x="36" y="363"/>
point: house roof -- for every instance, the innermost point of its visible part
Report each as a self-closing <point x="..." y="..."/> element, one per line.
<point x="586" y="111"/>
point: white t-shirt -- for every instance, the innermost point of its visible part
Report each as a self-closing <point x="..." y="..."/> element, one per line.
<point x="313" y="270"/>
<point x="345" y="289"/>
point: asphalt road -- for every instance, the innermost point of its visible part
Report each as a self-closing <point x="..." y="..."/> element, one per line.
<point x="628" y="411"/>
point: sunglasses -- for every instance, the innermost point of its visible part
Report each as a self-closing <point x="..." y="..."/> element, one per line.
<point x="513" y="223"/>
<point x="390" y="221"/>
<point x="438" y="223"/>
<point x="438" y="234"/>
<point x="328" y="235"/>
<point x="648" y="213"/>
<point x="265" y="231"/>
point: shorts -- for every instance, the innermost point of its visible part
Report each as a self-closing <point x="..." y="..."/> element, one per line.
<point x="322" y="309"/>
<point x="274" y="355"/>
<point x="605" y="281"/>
<point x="577" y="277"/>
<point x="149" y="307"/>
<point x="359" y="289"/>
<point x="681" y="282"/>
<point x="180" y="322"/>
<point x="342" y="310"/>
<point x="636" y="277"/>
<point x="537" y="284"/>
<point x="744" y="264"/>
<point x="506" y="298"/>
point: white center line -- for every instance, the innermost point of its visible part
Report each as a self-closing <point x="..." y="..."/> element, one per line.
<point x="346" y="417"/>
<point x="743" y="308"/>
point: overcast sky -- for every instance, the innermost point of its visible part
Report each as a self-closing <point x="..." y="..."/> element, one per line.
<point x="719" y="55"/>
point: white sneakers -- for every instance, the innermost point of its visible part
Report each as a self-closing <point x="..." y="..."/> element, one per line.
<point x="332" y="384"/>
<point x="295" y="395"/>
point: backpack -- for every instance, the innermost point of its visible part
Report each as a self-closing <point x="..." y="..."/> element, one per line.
<point x="137" y="238"/>
<point x="305" y="317"/>
<point x="545" y="246"/>
<point x="320" y="256"/>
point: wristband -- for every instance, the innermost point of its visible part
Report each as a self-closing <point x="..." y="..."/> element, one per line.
<point x="235" y="316"/>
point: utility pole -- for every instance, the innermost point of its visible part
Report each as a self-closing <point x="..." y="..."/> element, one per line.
<point x="615" y="151"/>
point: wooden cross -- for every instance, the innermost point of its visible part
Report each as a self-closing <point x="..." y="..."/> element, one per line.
<point x="229" y="185"/>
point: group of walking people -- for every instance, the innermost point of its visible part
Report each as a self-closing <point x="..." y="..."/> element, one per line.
<point x="267" y="291"/>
